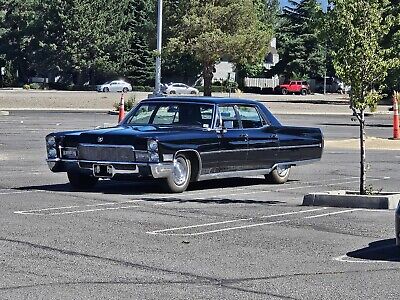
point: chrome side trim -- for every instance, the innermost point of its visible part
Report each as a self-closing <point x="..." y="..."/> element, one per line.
<point x="265" y="149"/>
<point x="234" y="174"/>
<point x="255" y="172"/>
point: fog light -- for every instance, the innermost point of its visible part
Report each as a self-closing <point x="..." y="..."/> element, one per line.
<point x="154" y="157"/>
<point x="52" y="153"/>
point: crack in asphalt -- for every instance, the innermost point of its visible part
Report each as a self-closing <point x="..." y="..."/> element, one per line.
<point x="198" y="279"/>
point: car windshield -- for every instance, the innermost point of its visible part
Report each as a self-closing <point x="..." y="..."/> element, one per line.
<point x="177" y="114"/>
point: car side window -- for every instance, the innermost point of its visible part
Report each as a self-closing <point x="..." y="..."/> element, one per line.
<point x="167" y="114"/>
<point x="250" y="117"/>
<point x="229" y="117"/>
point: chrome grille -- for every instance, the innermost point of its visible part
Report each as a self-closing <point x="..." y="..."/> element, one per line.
<point x="111" y="153"/>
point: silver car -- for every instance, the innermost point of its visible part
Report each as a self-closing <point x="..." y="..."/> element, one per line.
<point x="115" y="86"/>
<point x="179" y="89"/>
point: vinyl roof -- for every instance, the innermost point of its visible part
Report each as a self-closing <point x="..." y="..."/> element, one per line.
<point x="211" y="100"/>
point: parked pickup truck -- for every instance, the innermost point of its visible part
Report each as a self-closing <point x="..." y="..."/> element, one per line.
<point x="300" y="87"/>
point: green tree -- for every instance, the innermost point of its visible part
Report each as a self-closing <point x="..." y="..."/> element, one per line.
<point x="357" y="28"/>
<point x="269" y="13"/>
<point x="177" y="65"/>
<point x="78" y="37"/>
<point x="301" y="48"/>
<point x="18" y="19"/>
<point x="392" y="42"/>
<point x="137" y="63"/>
<point x="213" y="29"/>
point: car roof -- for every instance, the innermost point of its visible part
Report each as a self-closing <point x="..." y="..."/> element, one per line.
<point x="202" y="99"/>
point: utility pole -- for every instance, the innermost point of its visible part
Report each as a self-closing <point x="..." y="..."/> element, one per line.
<point x="157" y="87"/>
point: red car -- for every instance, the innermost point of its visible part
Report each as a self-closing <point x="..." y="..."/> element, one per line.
<point x="300" y="87"/>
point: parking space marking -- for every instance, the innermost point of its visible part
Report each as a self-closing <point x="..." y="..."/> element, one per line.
<point x="347" y="259"/>
<point x="235" y="190"/>
<point x="233" y="221"/>
<point x="290" y="188"/>
<point x="91" y="210"/>
<point x="39" y="212"/>
<point x="12" y="192"/>
<point x="170" y="231"/>
<point x="333" y="213"/>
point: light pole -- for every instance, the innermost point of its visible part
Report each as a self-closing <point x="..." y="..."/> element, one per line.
<point x="157" y="87"/>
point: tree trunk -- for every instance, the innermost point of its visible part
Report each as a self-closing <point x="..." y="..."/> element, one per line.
<point x="207" y="76"/>
<point x="362" y="153"/>
<point x="92" y="76"/>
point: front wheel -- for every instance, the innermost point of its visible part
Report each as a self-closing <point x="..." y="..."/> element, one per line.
<point x="106" y="90"/>
<point x="125" y="89"/>
<point x="284" y="91"/>
<point x="303" y="92"/>
<point x="279" y="175"/>
<point x="80" y="181"/>
<point x="179" y="180"/>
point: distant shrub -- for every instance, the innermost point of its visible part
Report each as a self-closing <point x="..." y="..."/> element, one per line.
<point x="142" y="88"/>
<point x="35" y="86"/>
<point x="128" y="104"/>
<point x="218" y="89"/>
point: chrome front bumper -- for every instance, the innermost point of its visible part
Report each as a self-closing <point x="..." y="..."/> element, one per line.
<point x="155" y="170"/>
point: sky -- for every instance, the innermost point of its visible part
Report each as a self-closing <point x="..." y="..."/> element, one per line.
<point x="324" y="3"/>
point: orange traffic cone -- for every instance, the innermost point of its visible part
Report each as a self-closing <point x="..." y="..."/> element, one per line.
<point x="121" y="113"/>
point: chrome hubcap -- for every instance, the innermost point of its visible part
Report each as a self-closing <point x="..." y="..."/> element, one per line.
<point x="180" y="171"/>
<point x="282" y="170"/>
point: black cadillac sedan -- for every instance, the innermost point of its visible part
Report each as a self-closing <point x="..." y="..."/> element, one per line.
<point x="397" y="225"/>
<point x="182" y="140"/>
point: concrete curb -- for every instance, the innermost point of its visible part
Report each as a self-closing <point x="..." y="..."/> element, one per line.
<point x="352" y="200"/>
<point x="4" y="113"/>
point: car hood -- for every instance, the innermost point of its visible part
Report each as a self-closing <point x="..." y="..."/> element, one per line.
<point x="127" y="135"/>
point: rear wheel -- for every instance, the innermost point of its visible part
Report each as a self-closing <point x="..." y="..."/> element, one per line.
<point x="80" y="181"/>
<point x="278" y="175"/>
<point x="284" y="91"/>
<point x="180" y="177"/>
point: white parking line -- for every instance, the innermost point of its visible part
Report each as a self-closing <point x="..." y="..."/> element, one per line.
<point x="92" y="210"/>
<point x="232" y="221"/>
<point x="229" y="228"/>
<point x="39" y="211"/>
<point x="347" y="259"/>
<point x="169" y="230"/>
<point x="12" y="192"/>
<point x="333" y="213"/>
<point x="235" y="190"/>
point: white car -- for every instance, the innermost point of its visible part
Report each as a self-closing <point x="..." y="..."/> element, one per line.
<point x="115" y="86"/>
<point x="179" y="89"/>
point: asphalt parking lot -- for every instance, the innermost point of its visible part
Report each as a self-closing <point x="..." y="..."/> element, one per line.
<point x="224" y="239"/>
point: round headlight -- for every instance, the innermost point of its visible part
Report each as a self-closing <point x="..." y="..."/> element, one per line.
<point x="154" y="157"/>
<point x="52" y="153"/>
<point x="51" y="141"/>
<point x="152" y="145"/>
